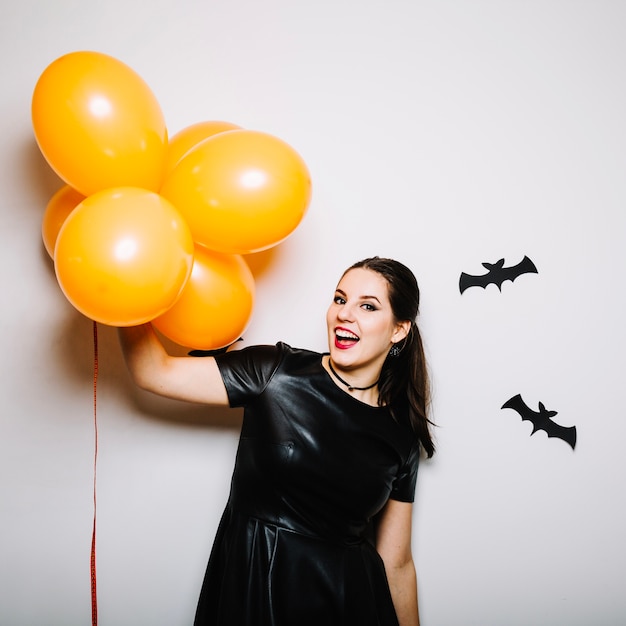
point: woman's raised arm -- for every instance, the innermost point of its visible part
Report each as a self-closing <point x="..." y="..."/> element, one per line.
<point x="186" y="378"/>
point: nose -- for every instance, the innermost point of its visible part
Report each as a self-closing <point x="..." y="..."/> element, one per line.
<point x="345" y="312"/>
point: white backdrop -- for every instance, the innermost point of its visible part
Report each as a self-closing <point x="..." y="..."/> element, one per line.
<point x="445" y="134"/>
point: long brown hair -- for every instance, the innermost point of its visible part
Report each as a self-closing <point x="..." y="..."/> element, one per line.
<point x="404" y="377"/>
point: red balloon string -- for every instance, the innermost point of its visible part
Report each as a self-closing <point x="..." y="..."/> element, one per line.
<point x="94" y="597"/>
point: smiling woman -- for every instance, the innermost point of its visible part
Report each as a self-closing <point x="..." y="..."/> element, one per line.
<point x="362" y="329"/>
<point x="317" y="527"/>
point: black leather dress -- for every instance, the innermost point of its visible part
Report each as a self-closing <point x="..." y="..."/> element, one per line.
<point x="314" y="465"/>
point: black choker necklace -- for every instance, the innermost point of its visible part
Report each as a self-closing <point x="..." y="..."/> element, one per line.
<point x="348" y="385"/>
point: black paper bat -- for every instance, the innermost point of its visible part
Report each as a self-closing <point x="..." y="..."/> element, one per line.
<point x="497" y="274"/>
<point x="542" y="420"/>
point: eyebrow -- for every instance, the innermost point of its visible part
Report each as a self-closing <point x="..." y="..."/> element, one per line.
<point x="365" y="297"/>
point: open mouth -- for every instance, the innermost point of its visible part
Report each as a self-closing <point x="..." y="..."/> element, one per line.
<point x="344" y="338"/>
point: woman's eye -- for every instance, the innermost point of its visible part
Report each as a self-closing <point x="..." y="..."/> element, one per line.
<point x="368" y="307"/>
<point x="338" y="300"/>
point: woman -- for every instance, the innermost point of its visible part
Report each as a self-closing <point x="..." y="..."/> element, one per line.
<point x="317" y="528"/>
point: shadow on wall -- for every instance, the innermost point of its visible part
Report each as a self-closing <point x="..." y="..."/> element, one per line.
<point x="42" y="180"/>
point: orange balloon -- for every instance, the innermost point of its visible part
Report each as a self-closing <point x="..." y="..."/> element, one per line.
<point x="240" y="191"/>
<point x="123" y="256"/>
<point x="187" y="138"/>
<point x="98" y="124"/>
<point x="216" y="304"/>
<point x="62" y="203"/>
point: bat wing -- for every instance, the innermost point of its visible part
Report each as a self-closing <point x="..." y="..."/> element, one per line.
<point x="468" y="280"/>
<point x="525" y="266"/>
<point x="517" y="404"/>
<point x="566" y="433"/>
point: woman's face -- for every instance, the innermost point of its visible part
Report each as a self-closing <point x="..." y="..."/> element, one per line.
<point x="361" y="325"/>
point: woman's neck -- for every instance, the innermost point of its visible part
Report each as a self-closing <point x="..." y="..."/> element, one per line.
<point x="358" y="386"/>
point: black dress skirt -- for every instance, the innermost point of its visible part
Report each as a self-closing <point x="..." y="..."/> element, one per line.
<point x="313" y="467"/>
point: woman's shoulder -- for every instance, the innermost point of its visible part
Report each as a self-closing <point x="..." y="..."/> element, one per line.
<point x="249" y="370"/>
<point x="268" y="355"/>
<point x="304" y="353"/>
<point x="281" y="348"/>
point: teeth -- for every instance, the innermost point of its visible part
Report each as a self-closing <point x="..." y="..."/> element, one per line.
<point x="344" y="334"/>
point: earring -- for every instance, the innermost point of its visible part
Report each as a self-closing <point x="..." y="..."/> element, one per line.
<point x="395" y="350"/>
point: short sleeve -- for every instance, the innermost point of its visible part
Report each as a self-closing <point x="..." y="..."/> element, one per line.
<point x="247" y="372"/>
<point x="403" y="487"/>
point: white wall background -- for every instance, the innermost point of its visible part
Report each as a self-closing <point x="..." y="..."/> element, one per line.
<point x="442" y="133"/>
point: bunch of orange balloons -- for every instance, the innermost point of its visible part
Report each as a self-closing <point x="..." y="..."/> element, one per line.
<point x="152" y="228"/>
